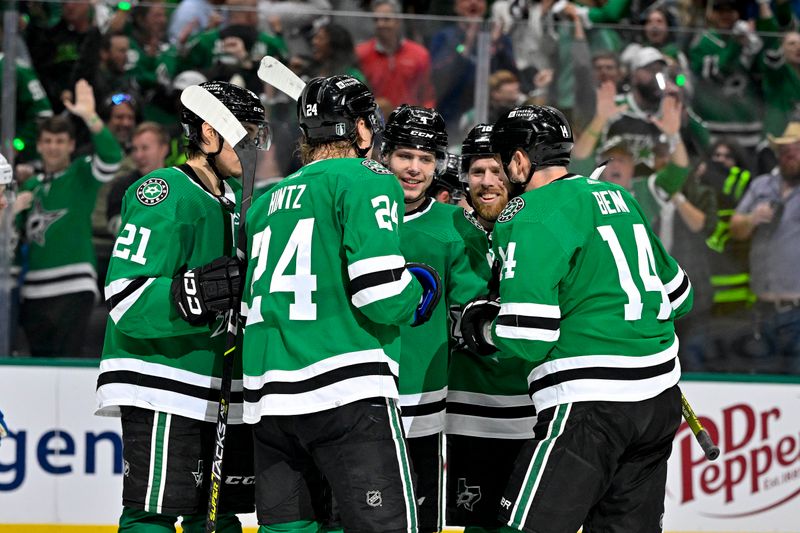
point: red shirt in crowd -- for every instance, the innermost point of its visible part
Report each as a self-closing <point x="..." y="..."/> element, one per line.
<point x="401" y="78"/>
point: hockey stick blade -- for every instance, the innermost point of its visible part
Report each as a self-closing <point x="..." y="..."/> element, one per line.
<point x="206" y="106"/>
<point x="281" y="77"/>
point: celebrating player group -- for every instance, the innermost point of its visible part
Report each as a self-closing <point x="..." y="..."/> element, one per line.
<point x="309" y="357"/>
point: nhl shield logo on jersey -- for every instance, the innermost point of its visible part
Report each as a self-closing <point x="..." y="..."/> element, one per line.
<point x="512" y="208"/>
<point x="374" y="498"/>
<point x="152" y="191"/>
<point x="376" y="167"/>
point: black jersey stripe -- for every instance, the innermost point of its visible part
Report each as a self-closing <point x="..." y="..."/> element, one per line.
<point x="132" y="287"/>
<point x="423" y="408"/>
<point x="317" y="382"/>
<point x="493" y="411"/>
<point x="678" y="292"/>
<point x="533" y="322"/>
<point x="609" y="373"/>
<point x="373" y="279"/>
<point x="129" y="377"/>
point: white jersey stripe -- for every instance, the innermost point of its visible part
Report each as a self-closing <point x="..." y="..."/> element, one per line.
<point x="122" y="307"/>
<point x="675" y="282"/>
<point x="531" y="334"/>
<point x="490" y="428"/>
<point x="321" y="367"/>
<point x="532" y="310"/>
<point x="381" y="292"/>
<point x="375" y="264"/>
<point x="333" y="395"/>
<point x="57" y="272"/>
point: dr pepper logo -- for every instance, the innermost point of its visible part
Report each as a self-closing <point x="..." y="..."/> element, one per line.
<point x="757" y="471"/>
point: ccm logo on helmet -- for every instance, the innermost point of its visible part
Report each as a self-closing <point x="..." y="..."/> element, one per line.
<point x="417" y="133"/>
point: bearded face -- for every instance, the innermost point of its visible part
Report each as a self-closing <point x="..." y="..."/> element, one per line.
<point x="488" y="187"/>
<point x="789" y="162"/>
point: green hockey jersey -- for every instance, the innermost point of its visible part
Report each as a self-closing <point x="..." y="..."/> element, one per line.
<point x="57" y="228"/>
<point x="151" y="357"/>
<point x="588" y="294"/>
<point x="206" y="49"/>
<point x="326" y="290"/>
<point x="428" y="235"/>
<point x="486" y="396"/>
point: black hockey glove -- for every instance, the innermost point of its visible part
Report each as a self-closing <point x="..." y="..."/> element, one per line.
<point x="476" y="323"/>
<point x="431" y="291"/>
<point x="202" y="293"/>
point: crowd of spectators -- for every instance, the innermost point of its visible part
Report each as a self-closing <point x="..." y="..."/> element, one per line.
<point x="694" y="105"/>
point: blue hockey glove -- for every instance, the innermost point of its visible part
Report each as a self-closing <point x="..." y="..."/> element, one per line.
<point x="431" y="291"/>
<point x="476" y="324"/>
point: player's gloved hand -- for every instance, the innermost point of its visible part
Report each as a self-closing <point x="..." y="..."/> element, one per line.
<point x="201" y="293"/>
<point x="431" y="291"/>
<point x="476" y="324"/>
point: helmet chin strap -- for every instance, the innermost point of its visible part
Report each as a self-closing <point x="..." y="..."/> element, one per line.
<point x="211" y="157"/>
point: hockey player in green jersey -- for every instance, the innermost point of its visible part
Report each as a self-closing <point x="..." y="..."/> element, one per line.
<point x="170" y="278"/>
<point x="414" y="148"/>
<point x="588" y="294"/>
<point x="489" y="412"/>
<point x="327" y="288"/>
<point x="59" y="288"/>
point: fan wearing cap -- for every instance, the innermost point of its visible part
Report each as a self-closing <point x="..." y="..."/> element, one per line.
<point x="722" y="60"/>
<point x="588" y="296"/>
<point x="171" y="278"/>
<point x="769" y="215"/>
<point x="327" y="291"/>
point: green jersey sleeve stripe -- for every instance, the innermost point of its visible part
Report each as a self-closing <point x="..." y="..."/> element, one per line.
<point x="120" y="289"/>
<point x="536" y="322"/>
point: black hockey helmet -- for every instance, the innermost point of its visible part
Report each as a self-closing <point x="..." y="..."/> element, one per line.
<point x="477" y="143"/>
<point x="244" y="105"/>
<point x="541" y="131"/>
<point x="449" y="179"/>
<point x="328" y="108"/>
<point x="417" y="127"/>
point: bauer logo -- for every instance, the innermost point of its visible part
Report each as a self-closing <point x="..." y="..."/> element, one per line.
<point x="152" y="191"/>
<point x="757" y="476"/>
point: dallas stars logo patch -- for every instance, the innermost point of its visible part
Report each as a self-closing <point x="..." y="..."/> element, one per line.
<point x="376" y="167"/>
<point x="152" y="191"/>
<point x="39" y="221"/>
<point x="512" y="208"/>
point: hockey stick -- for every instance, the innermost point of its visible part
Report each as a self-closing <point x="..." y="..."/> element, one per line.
<point x="281" y="77"/>
<point x="703" y="438"/>
<point x="211" y="110"/>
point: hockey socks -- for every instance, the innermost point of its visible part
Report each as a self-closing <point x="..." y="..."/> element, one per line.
<point x="299" y="526"/>
<point x="138" y="521"/>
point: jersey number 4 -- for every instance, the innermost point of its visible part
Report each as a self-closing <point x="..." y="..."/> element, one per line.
<point x="646" y="270"/>
<point x="302" y="283"/>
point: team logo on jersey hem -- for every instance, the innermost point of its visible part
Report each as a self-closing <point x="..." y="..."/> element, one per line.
<point x="512" y="208"/>
<point x="376" y="167"/>
<point x="152" y="191"/>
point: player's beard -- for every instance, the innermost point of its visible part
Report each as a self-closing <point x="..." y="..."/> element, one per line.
<point x="489" y="212"/>
<point x="791" y="171"/>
